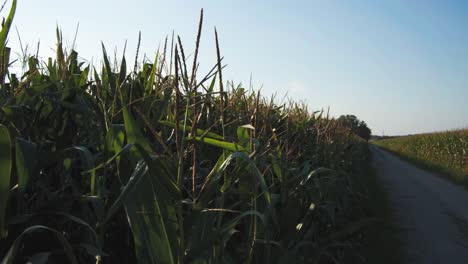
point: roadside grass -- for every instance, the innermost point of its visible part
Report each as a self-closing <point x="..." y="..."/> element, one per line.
<point x="383" y="242"/>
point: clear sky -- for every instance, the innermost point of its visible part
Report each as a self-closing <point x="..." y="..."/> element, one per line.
<point x="399" y="65"/>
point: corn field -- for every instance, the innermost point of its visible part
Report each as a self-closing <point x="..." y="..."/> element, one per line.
<point x="156" y="163"/>
<point x="446" y="151"/>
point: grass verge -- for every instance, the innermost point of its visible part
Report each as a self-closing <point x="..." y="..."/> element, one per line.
<point x="382" y="242"/>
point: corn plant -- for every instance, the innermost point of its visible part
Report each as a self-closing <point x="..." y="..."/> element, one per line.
<point x="157" y="165"/>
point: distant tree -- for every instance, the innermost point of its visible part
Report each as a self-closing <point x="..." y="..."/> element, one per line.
<point x="363" y="131"/>
<point x="356" y="126"/>
<point x="349" y="121"/>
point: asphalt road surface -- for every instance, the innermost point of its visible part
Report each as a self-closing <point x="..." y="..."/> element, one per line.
<point x="431" y="211"/>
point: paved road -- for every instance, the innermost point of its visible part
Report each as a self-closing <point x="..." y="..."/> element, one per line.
<point x="432" y="212"/>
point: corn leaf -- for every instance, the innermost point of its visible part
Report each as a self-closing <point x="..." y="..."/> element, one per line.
<point x="16" y="246"/>
<point x="243" y="136"/>
<point x="6" y="26"/>
<point x="152" y="218"/>
<point x="5" y="51"/>
<point x="200" y="132"/>
<point x="213" y="180"/>
<point x="150" y="82"/>
<point x="26" y="160"/>
<point x="148" y="202"/>
<point x="220" y="144"/>
<point x="150" y="211"/>
<point x="110" y="75"/>
<point x="5" y="174"/>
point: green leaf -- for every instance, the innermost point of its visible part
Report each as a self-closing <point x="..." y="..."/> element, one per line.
<point x="211" y="236"/>
<point x="232" y="224"/>
<point x="123" y="70"/>
<point x="200" y="132"/>
<point x="153" y="224"/>
<point x="115" y="138"/>
<point x="243" y="136"/>
<point x="212" y="84"/>
<point x="162" y="106"/>
<point x="136" y="176"/>
<point x="85" y="156"/>
<point x="87" y="163"/>
<point x="4" y="51"/>
<point x="151" y="214"/>
<point x="132" y="128"/>
<point x="148" y="196"/>
<point x="5" y="174"/>
<point x="26" y="161"/>
<point x="220" y="144"/>
<point x="108" y="69"/>
<point x="6" y="26"/>
<point x="84" y="78"/>
<point x="213" y="179"/>
<point x="134" y="136"/>
<point x="16" y="246"/>
<point x="313" y="174"/>
<point x="150" y="82"/>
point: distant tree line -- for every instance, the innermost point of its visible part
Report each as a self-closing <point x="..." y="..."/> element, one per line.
<point x="375" y="137"/>
<point x="356" y="126"/>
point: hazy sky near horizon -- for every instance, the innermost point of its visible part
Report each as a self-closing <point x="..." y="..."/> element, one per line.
<point x="401" y="66"/>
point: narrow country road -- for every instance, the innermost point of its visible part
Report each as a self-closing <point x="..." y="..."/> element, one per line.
<point x="432" y="212"/>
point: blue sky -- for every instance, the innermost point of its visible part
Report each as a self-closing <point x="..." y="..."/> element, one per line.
<point x="401" y="66"/>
